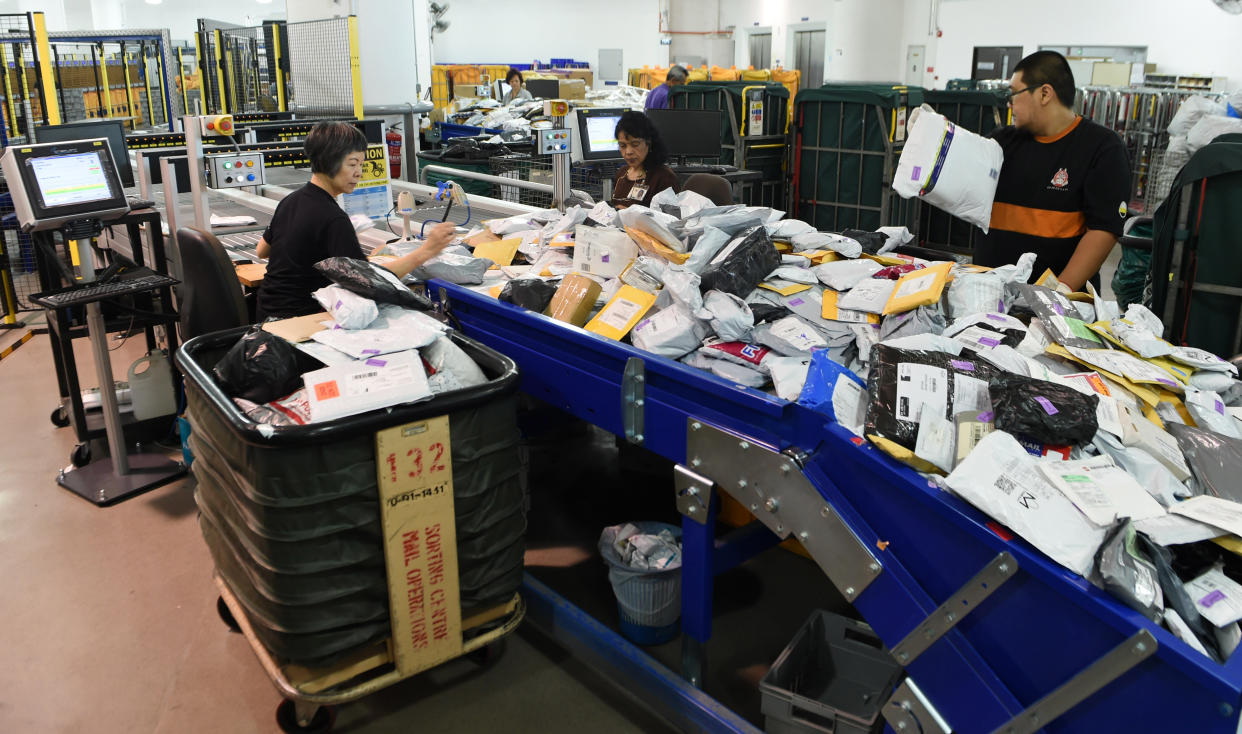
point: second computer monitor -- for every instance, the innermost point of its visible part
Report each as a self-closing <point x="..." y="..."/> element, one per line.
<point x="112" y="130"/>
<point x="690" y="133"/>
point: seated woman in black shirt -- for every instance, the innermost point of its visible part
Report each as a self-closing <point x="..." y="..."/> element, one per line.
<point x="309" y="226"/>
<point x="646" y="173"/>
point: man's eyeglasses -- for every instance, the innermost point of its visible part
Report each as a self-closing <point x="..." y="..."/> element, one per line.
<point x="1009" y="97"/>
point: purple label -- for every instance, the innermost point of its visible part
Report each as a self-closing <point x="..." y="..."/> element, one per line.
<point x="1163" y="381"/>
<point x="986" y="416"/>
<point x="988" y="341"/>
<point x="960" y="365"/>
<point x="605" y="258"/>
<point x="1213" y="597"/>
<point x="1000" y="306"/>
<point x="996" y="317"/>
<point x="1057" y="307"/>
<point x="797" y="302"/>
<point x="1220" y="407"/>
<point x="376" y="362"/>
<point x="370" y="351"/>
<point x="917" y="173"/>
<point x="338" y="304"/>
<point x="1047" y="405"/>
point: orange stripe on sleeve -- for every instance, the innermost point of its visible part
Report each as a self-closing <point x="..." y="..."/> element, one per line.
<point x="1038" y="222"/>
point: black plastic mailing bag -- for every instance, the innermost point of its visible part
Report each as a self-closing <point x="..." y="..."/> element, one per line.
<point x="741" y="267"/>
<point x="260" y="367"/>
<point x="370" y="281"/>
<point x="1045" y="411"/>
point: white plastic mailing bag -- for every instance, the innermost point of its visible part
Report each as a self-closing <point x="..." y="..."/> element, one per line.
<point x="949" y="167"/>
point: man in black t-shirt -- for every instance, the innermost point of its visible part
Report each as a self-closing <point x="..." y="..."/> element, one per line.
<point x="309" y="226"/>
<point x="1065" y="181"/>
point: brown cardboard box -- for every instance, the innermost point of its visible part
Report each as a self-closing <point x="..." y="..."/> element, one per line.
<point x="585" y="75"/>
<point x="573" y="89"/>
<point x="575" y="299"/>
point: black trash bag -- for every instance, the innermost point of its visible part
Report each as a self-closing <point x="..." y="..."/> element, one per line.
<point x="765" y="312"/>
<point x="1175" y="596"/>
<point x="531" y="294"/>
<point x="260" y="367"/>
<point x="871" y="241"/>
<point x="1045" y="411"/>
<point x="745" y="267"/>
<point x="1215" y="460"/>
<point x="1123" y="570"/>
<point x="370" y="281"/>
<point x="901" y="381"/>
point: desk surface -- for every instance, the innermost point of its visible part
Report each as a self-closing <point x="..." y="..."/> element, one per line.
<point x="251" y="274"/>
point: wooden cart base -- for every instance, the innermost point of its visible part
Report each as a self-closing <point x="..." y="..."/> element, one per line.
<point x="370" y="669"/>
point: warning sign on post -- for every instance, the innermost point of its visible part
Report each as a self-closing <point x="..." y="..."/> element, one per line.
<point x="373" y="196"/>
<point x="415" y="472"/>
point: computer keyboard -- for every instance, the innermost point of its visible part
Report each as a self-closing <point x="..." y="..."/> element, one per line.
<point x="716" y="169"/>
<point x="80" y="295"/>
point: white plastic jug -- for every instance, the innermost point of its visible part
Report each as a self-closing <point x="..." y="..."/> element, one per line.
<point x="152" y="389"/>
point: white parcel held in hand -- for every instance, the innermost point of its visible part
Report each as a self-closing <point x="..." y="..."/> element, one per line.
<point x="949" y="167"/>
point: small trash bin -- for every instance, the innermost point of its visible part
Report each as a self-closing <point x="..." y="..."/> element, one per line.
<point x="648" y="601"/>
<point x="833" y="677"/>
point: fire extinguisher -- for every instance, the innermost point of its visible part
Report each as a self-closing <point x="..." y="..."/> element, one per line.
<point x="393" y="138"/>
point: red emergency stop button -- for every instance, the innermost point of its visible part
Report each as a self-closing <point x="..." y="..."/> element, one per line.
<point x="211" y="126"/>
<point x="225" y="126"/>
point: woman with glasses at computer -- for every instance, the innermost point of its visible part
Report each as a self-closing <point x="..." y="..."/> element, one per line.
<point x="646" y="173"/>
<point x="309" y="226"/>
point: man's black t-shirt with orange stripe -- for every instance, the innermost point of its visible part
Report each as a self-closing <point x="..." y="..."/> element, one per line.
<point x="1051" y="191"/>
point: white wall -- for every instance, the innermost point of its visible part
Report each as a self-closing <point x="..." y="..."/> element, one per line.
<point x="1182" y="36"/>
<point x="484" y="31"/>
<point x="863" y="36"/>
<point x="688" y="25"/>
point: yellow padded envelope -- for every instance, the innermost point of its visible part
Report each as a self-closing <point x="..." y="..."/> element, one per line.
<point x="500" y="252"/>
<point x="622" y="313"/>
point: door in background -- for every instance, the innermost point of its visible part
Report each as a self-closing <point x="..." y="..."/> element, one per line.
<point x="995" y="62"/>
<point x="761" y="50"/>
<point x="809" y="57"/>
<point x="915" y="65"/>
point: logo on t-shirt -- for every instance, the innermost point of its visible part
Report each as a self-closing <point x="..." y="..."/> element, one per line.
<point x="1061" y="180"/>
<point x="1123" y="210"/>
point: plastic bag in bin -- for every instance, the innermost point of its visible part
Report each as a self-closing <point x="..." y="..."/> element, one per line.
<point x="531" y="294"/>
<point x="370" y="281"/>
<point x="1046" y="411"/>
<point x="260" y="367"/>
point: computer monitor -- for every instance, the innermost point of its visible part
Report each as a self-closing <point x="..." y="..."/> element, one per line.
<point x="691" y="133"/>
<point x="544" y="88"/>
<point x="596" y="133"/>
<point x="55" y="183"/>
<point x="112" y="130"/>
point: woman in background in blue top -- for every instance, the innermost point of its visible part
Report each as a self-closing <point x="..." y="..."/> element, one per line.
<point x="658" y="98"/>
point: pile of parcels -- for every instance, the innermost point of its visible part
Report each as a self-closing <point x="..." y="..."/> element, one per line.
<point x="515" y="119"/>
<point x="375" y="346"/>
<point x="1070" y="422"/>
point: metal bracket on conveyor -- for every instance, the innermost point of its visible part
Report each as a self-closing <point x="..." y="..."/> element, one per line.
<point x="963" y="602"/>
<point x="773" y="486"/>
<point x="909" y="712"/>
<point x="1115" y="663"/>
<point x="694" y="492"/>
<point x="633" y="392"/>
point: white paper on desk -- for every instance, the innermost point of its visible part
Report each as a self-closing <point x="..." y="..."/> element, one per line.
<point x="1217" y="597"/>
<point x="1003" y="480"/>
<point x="1101" y="489"/>
<point x="1173" y="529"/>
<point x="1214" y="511"/>
<point x="241" y="220"/>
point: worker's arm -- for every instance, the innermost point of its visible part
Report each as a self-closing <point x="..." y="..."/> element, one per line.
<point x="263" y="248"/>
<point x="1090" y="254"/>
<point x="437" y="239"/>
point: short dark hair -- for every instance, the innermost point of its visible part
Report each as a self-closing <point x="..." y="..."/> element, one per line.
<point x="514" y="73"/>
<point x="638" y="125"/>
<point x="1051" y="68"/>
<point x="676" y="73"/>
<point x="328" y="143"/>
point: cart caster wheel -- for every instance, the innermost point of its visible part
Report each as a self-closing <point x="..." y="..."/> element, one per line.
<point x="81" y="455"/>
<point x="226" y="615"/>
<point x="287" y="719"/>
<point x="59" y="418"/>
<point x="486" y="655"/>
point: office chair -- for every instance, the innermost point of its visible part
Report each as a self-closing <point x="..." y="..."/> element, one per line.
<point x="210" y="296"/>
<point x="710" y="185"/>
